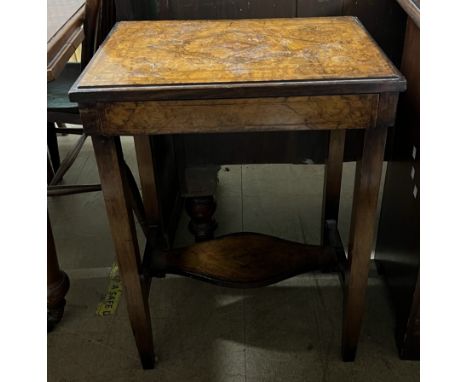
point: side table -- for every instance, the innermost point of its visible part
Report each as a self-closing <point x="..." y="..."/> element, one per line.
<point x="224" y="76"/>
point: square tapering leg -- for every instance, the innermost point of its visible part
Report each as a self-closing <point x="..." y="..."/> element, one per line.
<point x="363" y="221"/>
<point x="111" y="170"/>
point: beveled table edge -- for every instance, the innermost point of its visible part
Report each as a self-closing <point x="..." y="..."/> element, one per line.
<point x="236" y="90"/>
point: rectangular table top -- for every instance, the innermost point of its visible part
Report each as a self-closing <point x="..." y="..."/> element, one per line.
<point x="231" y="58"/>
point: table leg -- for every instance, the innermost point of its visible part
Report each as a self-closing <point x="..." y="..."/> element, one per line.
<point x="57" y="283"/>
<point x="112" y="173"/>
<point x="147" y="171"/>
<point x="363" y="222"/>
<point x="136" y="201"/>
<point x="332" y="181"/>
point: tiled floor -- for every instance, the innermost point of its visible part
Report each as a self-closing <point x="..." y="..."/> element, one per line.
<point x="286" y="332"/>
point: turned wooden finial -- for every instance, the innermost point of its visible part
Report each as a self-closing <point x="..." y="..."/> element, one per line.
<point x="201" y="210"/>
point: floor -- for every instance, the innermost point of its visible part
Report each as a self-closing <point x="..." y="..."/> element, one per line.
<point x="286" y="332"/>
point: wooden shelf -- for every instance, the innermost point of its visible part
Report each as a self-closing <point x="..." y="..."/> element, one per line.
<point x="241" y="260"/>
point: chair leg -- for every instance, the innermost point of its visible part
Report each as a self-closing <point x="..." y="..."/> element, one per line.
<point x="363" y="222"/>
<point x="50" y="170"/>
<point x="52" y="146"/>
<point x="57" y="283"/>
<point x="68" y="161"/>
<point x="116" y="196"/>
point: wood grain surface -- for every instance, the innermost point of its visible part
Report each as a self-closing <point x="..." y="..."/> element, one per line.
<point x="226" y="51"/>
<point x="233" y="115"/>
<point x="242" y="260"/>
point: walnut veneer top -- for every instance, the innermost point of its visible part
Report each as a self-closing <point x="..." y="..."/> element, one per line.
<point x="171" y="53"/>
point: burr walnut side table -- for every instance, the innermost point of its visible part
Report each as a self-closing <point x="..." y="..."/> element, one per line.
<point x="225" y="76"/>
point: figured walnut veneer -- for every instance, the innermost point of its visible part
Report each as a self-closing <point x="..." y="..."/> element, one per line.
<point x="234" y="115"/>
<point x="175" y="52"/>
<point x="241" y="260"/>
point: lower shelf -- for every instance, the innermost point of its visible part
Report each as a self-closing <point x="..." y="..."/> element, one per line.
<point x="241" y="260"/>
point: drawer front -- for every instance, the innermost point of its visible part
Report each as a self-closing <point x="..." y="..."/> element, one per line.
<point x="233" y="115"/>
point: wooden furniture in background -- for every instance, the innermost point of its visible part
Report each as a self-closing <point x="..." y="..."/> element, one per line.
<point x="64" y="34"/>
<point x="397" y="250"/>
<point x="98" y="18"/>
<point x="58" y="282"/>
<point x="412" y="9"/>
<point x="59" y="108"/>
<point x="240" y="76"/>
<point x="88" y="25"/>
<point x="69" y="23"/>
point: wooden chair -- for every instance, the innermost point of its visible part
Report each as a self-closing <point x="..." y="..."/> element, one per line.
<point x="99" y="19"/>
<point x="97" y="23"/>
<point x="59" y="108"/>
<point x="60" y="111"/>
